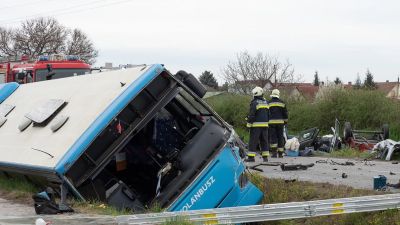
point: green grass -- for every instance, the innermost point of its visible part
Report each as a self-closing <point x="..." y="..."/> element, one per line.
<point x="364" y="109"/>
<point x="17" y="189"/>
<point x="351" y="153"/>
<point x="96" y="207"/>
<point x="278" y="191"/>
<point x="275" y="191"/>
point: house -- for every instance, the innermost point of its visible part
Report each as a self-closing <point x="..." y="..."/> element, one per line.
<point x="299" y="91"/>
<point x="391" y="89"/>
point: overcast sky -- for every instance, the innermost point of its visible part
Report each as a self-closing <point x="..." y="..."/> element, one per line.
<point x="339" y="38"/>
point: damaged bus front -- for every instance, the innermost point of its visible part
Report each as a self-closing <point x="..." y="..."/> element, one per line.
<point x="130" y="138"/>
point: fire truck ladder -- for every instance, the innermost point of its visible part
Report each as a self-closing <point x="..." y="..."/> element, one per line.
<point x="269" y="212"/>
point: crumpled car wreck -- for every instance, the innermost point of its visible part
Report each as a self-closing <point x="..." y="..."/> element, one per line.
<point x="129" y="137"/>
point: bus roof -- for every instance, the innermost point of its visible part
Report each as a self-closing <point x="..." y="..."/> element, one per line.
<point x="92" y="101"/>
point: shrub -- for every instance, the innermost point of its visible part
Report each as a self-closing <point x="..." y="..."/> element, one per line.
<point x="365" y="109"/>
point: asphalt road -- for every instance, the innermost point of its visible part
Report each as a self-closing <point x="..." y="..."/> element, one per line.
<point x="360" y="175"/>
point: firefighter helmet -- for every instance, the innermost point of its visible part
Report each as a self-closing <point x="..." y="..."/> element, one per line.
<point x="275" y="93"/>
<point x="257" y="91"/>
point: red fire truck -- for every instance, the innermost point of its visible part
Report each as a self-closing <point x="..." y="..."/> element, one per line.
<point x="26" y="69"/>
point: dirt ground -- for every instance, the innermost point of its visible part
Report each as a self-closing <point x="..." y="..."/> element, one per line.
<point x="360" y="175"/>
<point x="8" y="208"/>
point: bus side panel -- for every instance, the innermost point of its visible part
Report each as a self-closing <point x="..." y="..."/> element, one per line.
<point x="244" y="193"/>
<point x="242" y="196"/>
<point x="213" y="185"/>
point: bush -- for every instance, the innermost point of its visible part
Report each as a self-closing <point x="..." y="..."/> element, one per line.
<point x="365" y="109"/>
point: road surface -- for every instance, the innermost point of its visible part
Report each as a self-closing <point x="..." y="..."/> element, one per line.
<point x="358" y="176"/>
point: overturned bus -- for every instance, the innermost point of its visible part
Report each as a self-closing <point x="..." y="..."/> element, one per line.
<point x="130" y="138"/>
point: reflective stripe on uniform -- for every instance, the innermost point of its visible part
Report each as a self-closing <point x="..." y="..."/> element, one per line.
<point x="249" y="125"/>
<point x="262" y="106"/>
<point x="251" y="154"/>
<point x="276" y="121"/>
<point x="280" y="149"/>
<point x="265" y="153"/>
<point x="274" y="145"/>
<point x="259" y="124"/>
<point x="277" y="104"/>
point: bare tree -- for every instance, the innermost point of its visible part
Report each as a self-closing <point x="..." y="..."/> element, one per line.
<point x="258" y="70"/>
<point x="40" y="36"/>
<point x="7" y="42"/>
<point x="80" y="44"/>
<point x="45" y="36"/>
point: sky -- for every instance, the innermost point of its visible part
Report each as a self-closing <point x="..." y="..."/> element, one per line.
<point x="337" y="38"/>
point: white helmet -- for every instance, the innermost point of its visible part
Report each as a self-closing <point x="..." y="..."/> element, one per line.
<point x="257" y="91"/>
<point x="275" y="93"/>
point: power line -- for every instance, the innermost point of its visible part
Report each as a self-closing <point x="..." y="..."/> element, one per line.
<point x="18" y="19"/>
<point x="25" y="3"/>
<point x="64" y="11"/>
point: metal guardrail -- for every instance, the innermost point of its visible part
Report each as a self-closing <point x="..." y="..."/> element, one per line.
<point x="269" y="212"/>
<point x="233" y="215"/>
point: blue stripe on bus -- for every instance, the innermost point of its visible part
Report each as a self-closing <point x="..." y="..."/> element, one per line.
<point x="105" y="118"/>
<point x="7" y="89"/>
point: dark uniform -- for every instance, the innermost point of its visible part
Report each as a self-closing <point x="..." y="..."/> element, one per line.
<point x="257" y="121"/>
<point x="278" y="117"/>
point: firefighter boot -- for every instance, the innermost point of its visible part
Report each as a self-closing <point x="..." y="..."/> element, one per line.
<point x="251" y="157"/>
<point x="265" y="155"/>
<point x="280" y="152"/>
<point x="273" y="148"/>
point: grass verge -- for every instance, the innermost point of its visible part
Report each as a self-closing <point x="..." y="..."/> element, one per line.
<point x="278" y="190"/>
<point x="275" y="191"/>
<point x="17" y="189"/>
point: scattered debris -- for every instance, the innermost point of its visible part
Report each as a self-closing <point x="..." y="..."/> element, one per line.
<point x="290" y="181"/>
<point x="362" y="139"/>
<point x="394" y="185"/>
<point x="379" y="182"/>
<point x="40" y="221"/>
<point x="309" y="141"/>
<point x="289" y="167"/>
<point x="271" y="164"/>
<point x="367" y="162"/>
<point x="332" y="162"/>
<point x="391" y="173"/>
<point x="386" y="148"/>
<point x="344" y="175"/>
<point x="334" y="169"/>
<point x="255" y="167"/>
<point x="44" y="203"/>
<point x="348" y="163"/>
<point x="395" y="162"/>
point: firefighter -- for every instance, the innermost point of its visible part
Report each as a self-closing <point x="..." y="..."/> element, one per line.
<point x="278" y="117"/>
<point x="257" y="121"/>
